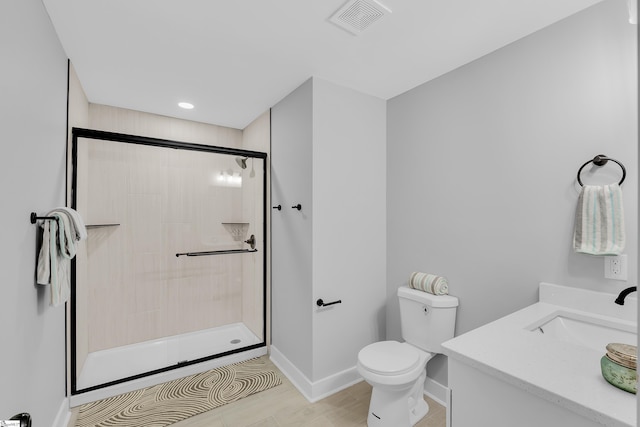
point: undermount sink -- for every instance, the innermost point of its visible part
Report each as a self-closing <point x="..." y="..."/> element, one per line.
<point x="545" y="356"/>
<point x="585" y="331"/>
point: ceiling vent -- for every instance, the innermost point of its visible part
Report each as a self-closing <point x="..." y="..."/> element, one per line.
<point x="357" y="15"/>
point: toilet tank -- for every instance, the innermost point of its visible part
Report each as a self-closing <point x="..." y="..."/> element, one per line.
<point x="427" y="320"/>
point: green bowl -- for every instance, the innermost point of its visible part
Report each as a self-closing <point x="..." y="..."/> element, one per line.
<point x="620" y="376"/>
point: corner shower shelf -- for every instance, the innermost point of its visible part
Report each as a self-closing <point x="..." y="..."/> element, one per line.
<point x="238" y="230"/>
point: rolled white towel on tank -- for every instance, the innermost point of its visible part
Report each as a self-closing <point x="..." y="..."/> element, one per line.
<point x="431" y="283"/>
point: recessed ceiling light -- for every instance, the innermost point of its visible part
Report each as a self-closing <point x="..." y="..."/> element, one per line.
<point x="185" y="105"/>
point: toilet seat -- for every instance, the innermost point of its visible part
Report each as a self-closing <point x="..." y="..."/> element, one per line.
<point x="389" y="358"/>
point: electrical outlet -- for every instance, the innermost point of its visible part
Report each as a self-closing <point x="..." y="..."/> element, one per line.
<point x="615" y="267"/>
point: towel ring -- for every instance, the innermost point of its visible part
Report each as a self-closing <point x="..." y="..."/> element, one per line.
<point x="601" y="160"/>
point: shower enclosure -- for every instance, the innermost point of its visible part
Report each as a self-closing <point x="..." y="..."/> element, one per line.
<point x="172" y="272"/>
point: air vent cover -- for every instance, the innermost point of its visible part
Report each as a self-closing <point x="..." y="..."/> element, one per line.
<point x="357" y="15"/>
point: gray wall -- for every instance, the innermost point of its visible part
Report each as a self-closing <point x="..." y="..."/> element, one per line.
<point x="329" y="154"/>
<point x="482" y="167"/>
<point x="33" y="83"/>
<point x="349" y="244"/>
<point x="291" y="232"/>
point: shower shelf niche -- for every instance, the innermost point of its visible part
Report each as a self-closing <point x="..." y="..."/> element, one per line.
<point x="100" y="225"/>
<point x="238" y="230"/>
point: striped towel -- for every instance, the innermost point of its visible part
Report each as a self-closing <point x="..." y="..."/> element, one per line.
<point x="599" y="225"/>
<point x="430" y="283"/>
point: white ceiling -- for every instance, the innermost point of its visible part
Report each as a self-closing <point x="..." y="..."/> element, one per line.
<point x="234" y="59"/>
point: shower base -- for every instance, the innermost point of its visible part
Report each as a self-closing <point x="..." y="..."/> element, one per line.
<point x="104" y="366"/>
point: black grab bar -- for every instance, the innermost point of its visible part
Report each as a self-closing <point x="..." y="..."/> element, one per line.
<point x="321" y="303"/>
<point x="229" y="251"/>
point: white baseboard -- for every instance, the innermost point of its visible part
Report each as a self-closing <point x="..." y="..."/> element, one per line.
<point x="297" y="378"/>
<point x="314" y="390"/>
<point x="63" y="415"/>
<point x="436" y="391"/>
<point x="334" y="383"/>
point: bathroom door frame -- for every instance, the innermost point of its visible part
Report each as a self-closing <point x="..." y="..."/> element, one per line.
<point x="164" y="143"/>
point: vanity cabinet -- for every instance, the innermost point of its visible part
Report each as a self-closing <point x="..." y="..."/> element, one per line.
<point x="521" y="371"/>
<point x="480" y="399"/>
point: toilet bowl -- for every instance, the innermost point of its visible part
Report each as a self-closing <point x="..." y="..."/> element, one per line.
<point x="397" y="372"/>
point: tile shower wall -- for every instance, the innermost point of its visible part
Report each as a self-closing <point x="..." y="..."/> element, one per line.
<point x="166" y="202"/>
<point x="256" y="137"/>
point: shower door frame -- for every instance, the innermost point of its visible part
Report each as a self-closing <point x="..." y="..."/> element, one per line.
<point x="164" y="143"/>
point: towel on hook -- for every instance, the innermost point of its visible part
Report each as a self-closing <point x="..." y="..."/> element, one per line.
<point x="43" y="270"/>
<point x="78" y="229"/>
<point x="430" y="283"/>
<point x="58" y="248"/>
<point x="599" y="223"/>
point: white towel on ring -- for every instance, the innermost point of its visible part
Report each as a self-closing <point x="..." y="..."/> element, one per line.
<point x="599" y="223"/>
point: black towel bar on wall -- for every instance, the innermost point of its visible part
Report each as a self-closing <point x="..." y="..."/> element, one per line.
<point x="601" y="160"/>
<point x="34" y="217"/>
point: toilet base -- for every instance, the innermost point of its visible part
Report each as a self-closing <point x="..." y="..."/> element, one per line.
<point x="397" y="408"/>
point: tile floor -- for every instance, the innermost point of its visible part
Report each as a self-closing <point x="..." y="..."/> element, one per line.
<point x="284" y="406"/>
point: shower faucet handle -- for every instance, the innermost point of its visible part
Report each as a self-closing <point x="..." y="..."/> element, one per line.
<point x="279" y="207"/>
<point x="298" y="206"/>
<point x="251" y="241"/>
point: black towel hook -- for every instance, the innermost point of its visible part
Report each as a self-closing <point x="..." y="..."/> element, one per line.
<point x="601" y="160"/>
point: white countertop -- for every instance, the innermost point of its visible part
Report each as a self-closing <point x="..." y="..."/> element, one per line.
<point x="557" y="371"/>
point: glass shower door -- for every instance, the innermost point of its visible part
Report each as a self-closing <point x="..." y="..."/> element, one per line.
<point x="172" y="272"/>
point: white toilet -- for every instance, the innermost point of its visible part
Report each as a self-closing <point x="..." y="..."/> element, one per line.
<point x="397" y="371"/>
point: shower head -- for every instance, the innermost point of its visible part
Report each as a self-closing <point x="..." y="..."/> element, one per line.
<point x="242" y="162"/>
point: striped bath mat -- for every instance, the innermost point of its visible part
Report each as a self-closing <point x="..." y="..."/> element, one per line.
<point x="173" y="401"/>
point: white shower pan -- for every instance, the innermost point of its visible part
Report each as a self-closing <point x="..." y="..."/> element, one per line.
<point x="105" y="366"/>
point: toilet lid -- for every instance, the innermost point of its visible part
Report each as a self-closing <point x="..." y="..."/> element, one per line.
<point x="389" y="358"/>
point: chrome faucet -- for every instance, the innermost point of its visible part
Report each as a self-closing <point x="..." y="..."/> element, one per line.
<point x="624" y="293"/>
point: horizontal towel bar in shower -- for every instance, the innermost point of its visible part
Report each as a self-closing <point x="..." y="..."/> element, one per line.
<point x="229" y="251"/>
